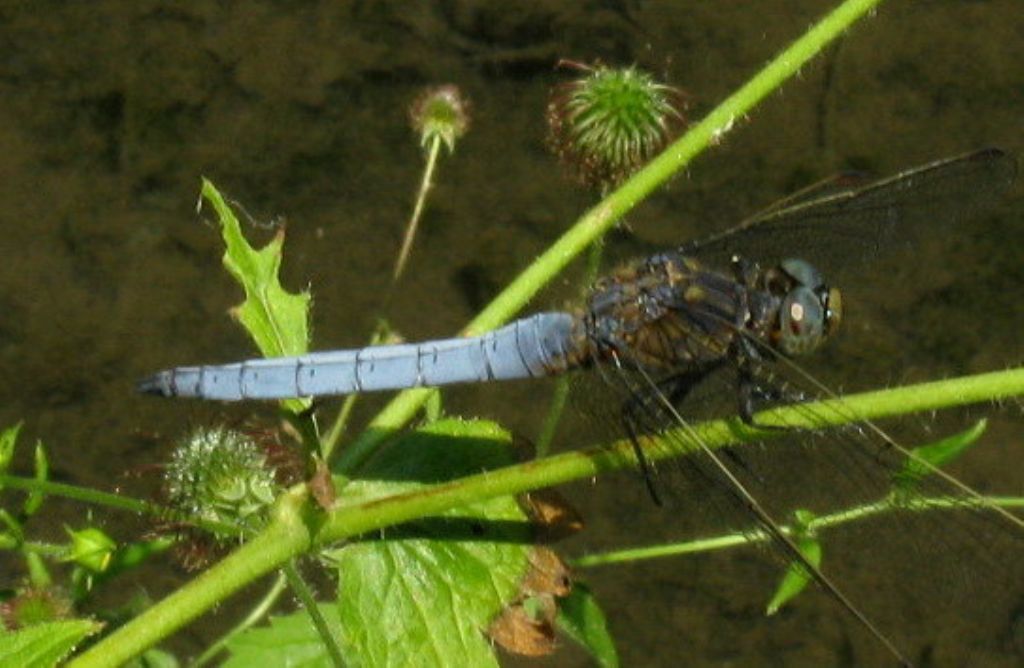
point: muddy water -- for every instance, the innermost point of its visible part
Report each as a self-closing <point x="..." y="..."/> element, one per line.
<point x="111" y="111"/>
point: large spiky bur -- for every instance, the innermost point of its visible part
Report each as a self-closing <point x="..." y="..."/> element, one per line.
<point x="220" y="475"/>
<point x="608" y="123"/>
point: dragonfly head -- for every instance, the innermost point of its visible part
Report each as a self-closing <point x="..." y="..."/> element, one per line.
<point x="809" y="312"/>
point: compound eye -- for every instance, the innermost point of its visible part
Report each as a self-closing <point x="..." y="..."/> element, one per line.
<point x="801" y="322"/>
<point x="802" y="272"/>
<point x="833" y="311"/>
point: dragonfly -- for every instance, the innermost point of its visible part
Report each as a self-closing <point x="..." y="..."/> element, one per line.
<point x="750" y="299"/>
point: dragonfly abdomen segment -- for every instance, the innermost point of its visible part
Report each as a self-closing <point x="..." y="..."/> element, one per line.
<point x="541" y="345"/>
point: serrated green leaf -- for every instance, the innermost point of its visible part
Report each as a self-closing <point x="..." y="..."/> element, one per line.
<point x="277" y="320"/>
<point x="44" y="645"/>
<point x="936" y="455"/>
<point x="796" y="577"/>
<point x="42" y="471"/>
<point x="8" y="438"/>
<point x="289" y="640"/>
<point x="581" y="618"/>
<point x="425" y="592"/>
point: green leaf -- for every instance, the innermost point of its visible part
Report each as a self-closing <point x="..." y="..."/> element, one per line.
<point x="424" y="592"/>
<point x="277" y="320"/>
<point x="935" y="455"/>
<point x="797" y="577"/>
<point x="289" y="640"/>
<point x="582" y="619"/>
<point x="44" y="644"/>
<point x="7" y="440"/>
<point x="42" y="471"/>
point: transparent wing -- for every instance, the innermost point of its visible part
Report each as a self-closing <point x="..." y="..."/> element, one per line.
<point x="839" y="231"/>
<point x="951" y="559"/>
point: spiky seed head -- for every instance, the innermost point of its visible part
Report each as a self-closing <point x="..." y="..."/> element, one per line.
<point x="610" y="122"/>
<point x="440" y="112"/>
<point x="221" y="475"/>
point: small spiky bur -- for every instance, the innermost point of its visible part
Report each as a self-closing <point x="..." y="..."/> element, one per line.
<point x="220" y="475"/>
<point x="34" y="605"/>
<point x="439" y="115"/>
<point x="609" y="123"/>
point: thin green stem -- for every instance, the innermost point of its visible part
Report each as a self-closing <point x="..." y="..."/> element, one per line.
<point x="95" y="497"/>
<point x="561" y="394"/>
<point x="305" y="595"/>
<point x="255" y="616"/>
<point x="381" y="332"/>
<point x="417" y="212"/>
<point x="601" y="217"/>
<point x="755" y="536"/>
<point x="554" y="415"/>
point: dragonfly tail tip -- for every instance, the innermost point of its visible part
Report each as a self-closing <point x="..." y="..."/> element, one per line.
<point x="157" y="385"/>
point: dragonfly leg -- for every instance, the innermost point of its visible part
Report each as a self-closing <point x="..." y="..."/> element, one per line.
<point x="648" y="404"/>
<point x="745" y="271"/>
<point x="750" y="392"/>
<point x="630" y="422"/>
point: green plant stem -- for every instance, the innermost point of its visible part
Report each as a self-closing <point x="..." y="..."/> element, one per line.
<point x="561" y="393"/>
<point x="298" y="526"/>
<point x="254" y="617"/>
<point x="417" y="212"/>
<point x="330" y="441"/>
<point x="97" y="498"/>
<point x="601" y="217"/>
<point x="829" y="521"/>
<point x="288" y="535"/>
<point x="305" y="595"/>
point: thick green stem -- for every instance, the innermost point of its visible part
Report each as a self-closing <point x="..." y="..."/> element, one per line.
<point x="298" y="526"/>
<point x="601" y="217"/>
<point x="255" y="616"/>
<point x="288" y="535"/>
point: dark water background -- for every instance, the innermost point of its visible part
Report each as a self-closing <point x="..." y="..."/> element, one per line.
<point x="111" y="111"/>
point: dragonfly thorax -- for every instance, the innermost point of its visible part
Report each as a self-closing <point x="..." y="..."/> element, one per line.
<point x="809" y="311"/>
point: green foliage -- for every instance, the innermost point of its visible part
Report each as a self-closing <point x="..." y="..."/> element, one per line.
<point x="927" y="458"/>
<point x="288" y="640"/>
<point x="581" y="618"/>
<point x="277" y="320"/>
<point x="8" y="438"/>
<point x="42" y="472"/>
<point x="420" y="588"/>
<point x="797" y="577"/>
<point x="91" y="549"/>
<point x="44" y="645"/>
<point x="433" y="585"/>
